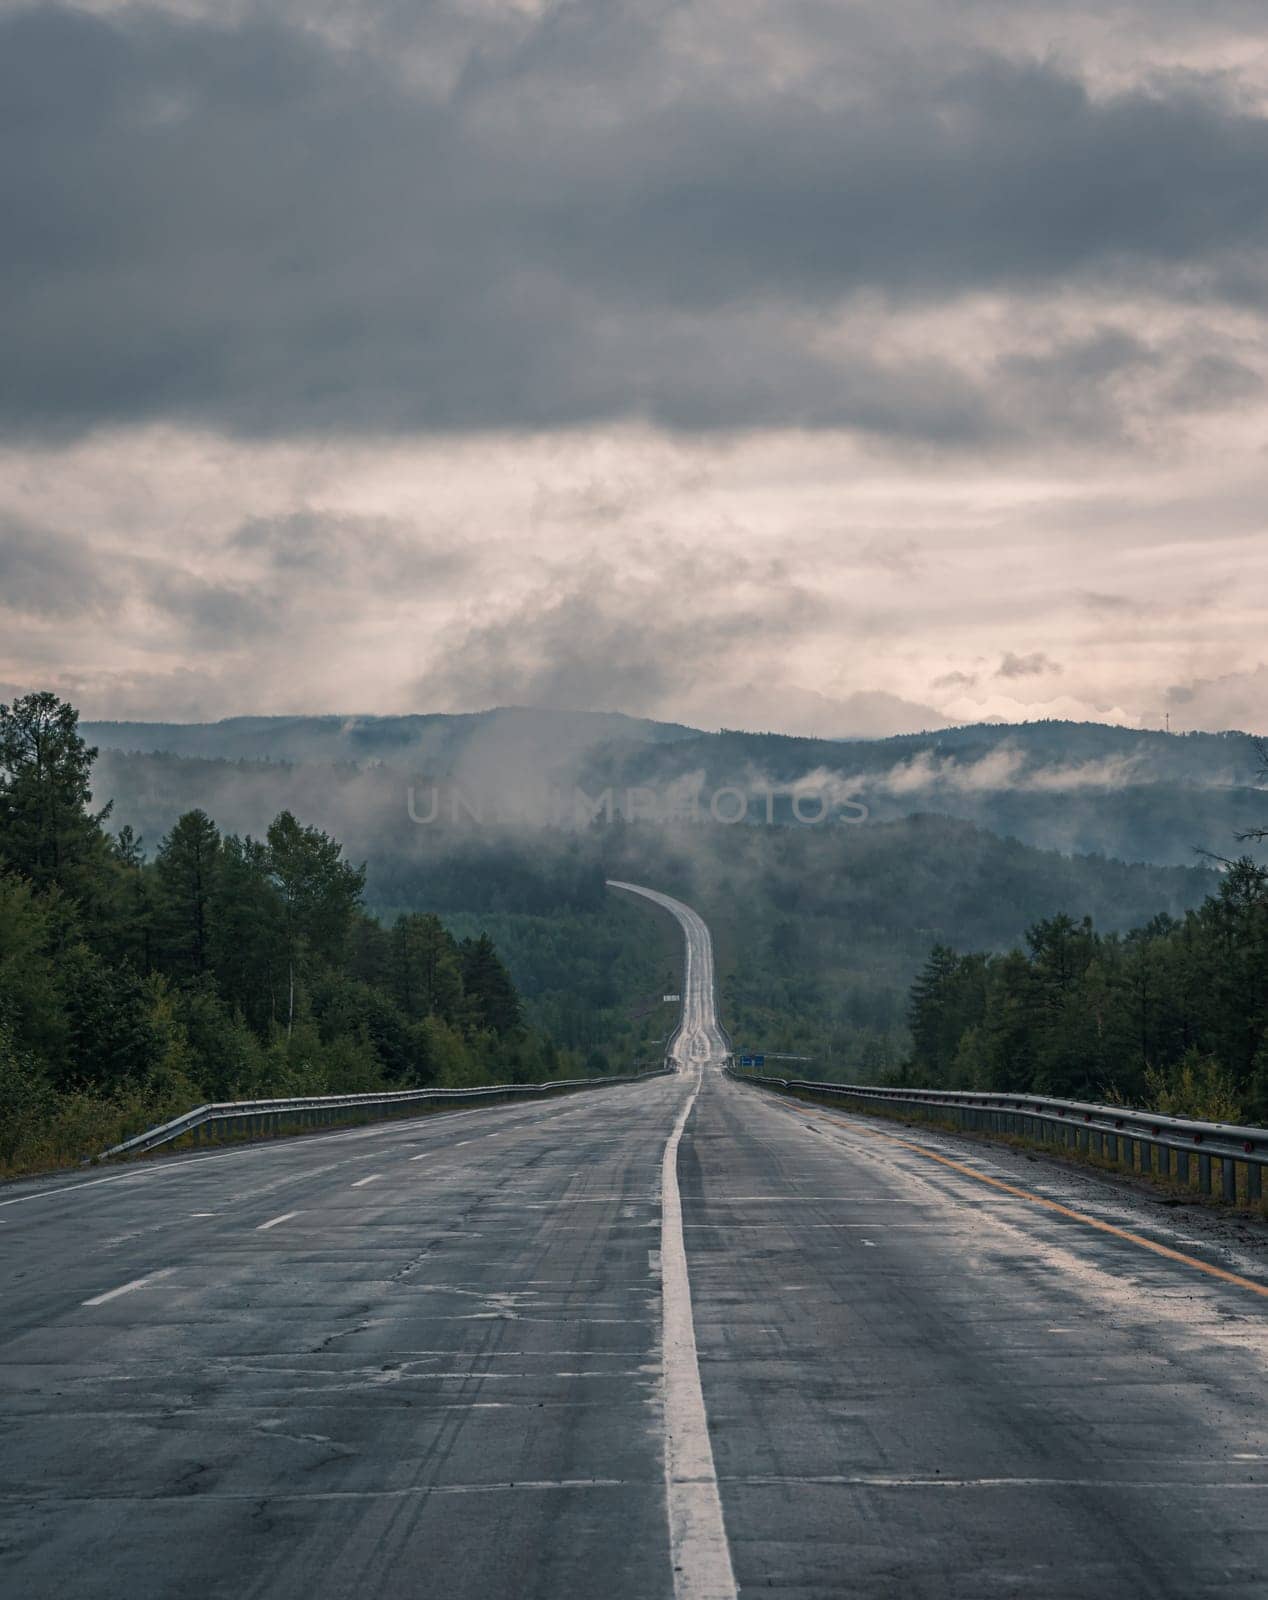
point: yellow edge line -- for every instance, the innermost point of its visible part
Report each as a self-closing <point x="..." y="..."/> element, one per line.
<point x="1040" y="1200"/>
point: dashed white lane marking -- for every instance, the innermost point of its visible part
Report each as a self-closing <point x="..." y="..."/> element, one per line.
<point x="361" y="1182"/>
<point x="127" y="1288"/>
<point x="697" y="1534"/>
<point x="187" y="1164"/>
<point x="285" y="1217"/>
<point x="425" y="1155"/>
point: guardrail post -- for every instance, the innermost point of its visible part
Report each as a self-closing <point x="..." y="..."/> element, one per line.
<point x="1254" y="1182"/>
<point x="1204" y="1172"/>
<point x="1228" y="1171"/>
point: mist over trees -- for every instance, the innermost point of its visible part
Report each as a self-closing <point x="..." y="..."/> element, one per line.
<point x="139" y="975"/>
<point x="820" y="929"/>
<point x="224" y="967"/>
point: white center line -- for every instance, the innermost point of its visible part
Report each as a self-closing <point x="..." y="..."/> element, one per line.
<point x="361" y="1182"/>
<point x="697" y="1534"/>
<point x="127" y="1288"/>
<point x="285" y="1217"/>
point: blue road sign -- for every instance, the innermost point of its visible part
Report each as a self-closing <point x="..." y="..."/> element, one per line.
<point x="746" y="1061"/>
<point x="759" y="1061"/>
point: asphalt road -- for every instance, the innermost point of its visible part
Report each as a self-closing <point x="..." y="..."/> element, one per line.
<point x="670" y="1338"/>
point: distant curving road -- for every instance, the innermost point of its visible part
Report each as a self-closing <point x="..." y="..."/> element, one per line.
<point x="671" y="1339"/>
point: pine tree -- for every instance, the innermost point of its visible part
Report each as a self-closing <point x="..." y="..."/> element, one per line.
<point x="320" y="894"/>
<point x="47" y="832"/>
<point x="187" y="867"/>
<point x="427" y="976"/>
<point x="488" y="986"/>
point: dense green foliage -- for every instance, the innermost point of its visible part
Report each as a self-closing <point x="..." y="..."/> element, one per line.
<point x="226" y="967"/>
<point x="820" y="930"/>
<point x="1174" y="1015"/>
<point x="595" y="980"/>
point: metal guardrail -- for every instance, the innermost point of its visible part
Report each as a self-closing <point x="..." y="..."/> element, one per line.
<point x="233" y="1117"/>
<point x="1141" y="1141"/>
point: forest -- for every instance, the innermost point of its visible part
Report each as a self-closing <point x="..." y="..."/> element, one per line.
<point x="820" y="930"/>
<point x="134" y="986"/>
<point x="1172" y="1016"/>
<point x="150" y="958"/>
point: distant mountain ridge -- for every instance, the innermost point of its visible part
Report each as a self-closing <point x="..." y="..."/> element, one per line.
<point x="1082" y="788"/>
<point x="428" y="739"/>
<point x="971" y="836"/>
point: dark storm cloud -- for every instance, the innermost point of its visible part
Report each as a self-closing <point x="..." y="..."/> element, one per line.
<point x="353" y="551"/>
<point x="45" y="575"/>
<point x="1028" y="666"/>
<point x="210" y="615"/>
<point x="239" y="224"/>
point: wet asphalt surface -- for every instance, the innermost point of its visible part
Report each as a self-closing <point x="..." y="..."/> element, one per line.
<point x="438" y="1371"/>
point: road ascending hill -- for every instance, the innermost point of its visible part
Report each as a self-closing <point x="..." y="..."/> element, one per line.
<point x="669" y="1339"/>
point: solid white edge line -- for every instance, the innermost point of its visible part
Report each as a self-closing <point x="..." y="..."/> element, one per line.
<point x="697" y="1534"/>
<point x="285" y="1217"/>
<point x="127" y="1288"/>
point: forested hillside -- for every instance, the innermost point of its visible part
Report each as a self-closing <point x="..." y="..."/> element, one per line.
<point x="1173" y="1015"/>
<point x="1084" y="788"/>
<point x="820" y="929"/>
<point x="221" y="966"/>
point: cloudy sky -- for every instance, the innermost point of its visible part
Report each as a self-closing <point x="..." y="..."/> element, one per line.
<point x="838" y="367"/>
